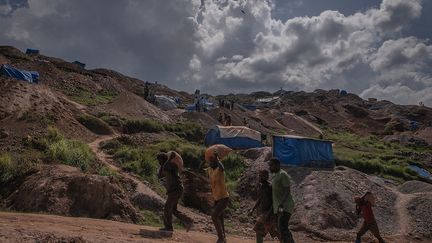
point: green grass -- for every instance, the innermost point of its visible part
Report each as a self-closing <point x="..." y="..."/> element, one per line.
<point x="151" y="219"/>
<point x="84" y="96"/>
<point x="12" y="167"/>
<point x="372" y="156"/>
<point x="186" y="130"/>
<point x="106" y="171"/>
<point x="57" y="148"/>
<point x="95" y="124"/>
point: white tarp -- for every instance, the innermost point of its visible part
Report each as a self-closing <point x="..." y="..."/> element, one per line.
<point x="238" y="131"/>
<point x="165" y="102"/>
<point x="267" y="100"/>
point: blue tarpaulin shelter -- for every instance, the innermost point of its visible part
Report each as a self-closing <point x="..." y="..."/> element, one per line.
<point x="235" y="137"/>
<point x="301" y="151"/>
<point x="250" y="107"/>
<point x="29" y="76"/>
<point x="80" y="64"/>
<point x="421" y="172"/>
<point x="32" y="51"/>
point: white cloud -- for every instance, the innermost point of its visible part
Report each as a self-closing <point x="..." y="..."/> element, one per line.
<point x="214" y="46"/>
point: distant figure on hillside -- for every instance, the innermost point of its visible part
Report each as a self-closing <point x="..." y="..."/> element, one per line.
<point x="267" y="220"/>
<point x="228" y="121"/>
<point x="216" y="173"/>
<point x="221" y="118"/>
<point x="245" y="122"/>
<point x="283" y="203"/>
<point x="171" y="164"/>
<point x="146" y="91"/>
<point x="364" y="205"/>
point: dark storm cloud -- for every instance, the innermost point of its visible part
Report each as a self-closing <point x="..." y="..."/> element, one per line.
<point x="367" y="47"/>
<point x="145" y="39"/>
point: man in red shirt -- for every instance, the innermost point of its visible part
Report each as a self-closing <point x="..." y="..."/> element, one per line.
<point x="364" y="206"/>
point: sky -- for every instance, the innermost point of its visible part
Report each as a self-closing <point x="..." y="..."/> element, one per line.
<point x="373" y="48"/>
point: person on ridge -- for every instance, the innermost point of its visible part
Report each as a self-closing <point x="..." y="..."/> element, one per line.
<point x="364" y="206"/>
<point x="216" y="173"/>
<point x="171" y="164"/>
<point x="266" y="221"/>
<point x="283" y="203"/>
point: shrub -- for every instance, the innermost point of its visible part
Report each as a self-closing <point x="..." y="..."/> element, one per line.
<point x="95" y="124"/>
<point x="10" y="169"/>
<point x="106" y="171"/>
<point x="141" y="162"/>
<point x="189" y="131"/>
<point x="7" y="169"/>
<point x="136" y="126"/>
<point x="234" y="166"/>
<point x="71" y="152"/>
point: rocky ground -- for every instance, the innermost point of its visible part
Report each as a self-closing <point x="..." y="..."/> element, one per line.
<point x="324" y="198"/>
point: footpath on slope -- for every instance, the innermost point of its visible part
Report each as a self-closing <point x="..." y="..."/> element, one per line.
<point x="144" y="194"/>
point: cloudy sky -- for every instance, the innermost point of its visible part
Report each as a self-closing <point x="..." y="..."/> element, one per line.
<point x="374" y="48"/>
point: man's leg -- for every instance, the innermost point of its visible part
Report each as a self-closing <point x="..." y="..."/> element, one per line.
<point x="363" y="229"/>
<point x="218" y="210"/>
<point x="283" y="220"/>
<point x="170" y="204"/>
<point x="186" y="220"/>
<point x="373" y="227"/>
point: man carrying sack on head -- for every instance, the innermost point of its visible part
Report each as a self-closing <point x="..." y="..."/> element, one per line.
<point x="171" y="164"/>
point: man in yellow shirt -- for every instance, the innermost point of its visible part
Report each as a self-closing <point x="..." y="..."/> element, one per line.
<point x="216" y="173"/>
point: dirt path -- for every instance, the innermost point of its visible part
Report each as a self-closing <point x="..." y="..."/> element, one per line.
<point x="17" y="227"/>
<point x="401" y="208"/>
<point x="142" y="190"/>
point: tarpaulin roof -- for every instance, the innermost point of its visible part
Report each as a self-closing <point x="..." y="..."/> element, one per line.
<point x="235" y="137"/>
<point x="302" y="151"/>
<point x="165" y="102"/>
<point x="29" y="76"/>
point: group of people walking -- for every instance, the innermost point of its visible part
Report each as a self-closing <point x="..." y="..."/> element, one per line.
<point x="274" y="206"/>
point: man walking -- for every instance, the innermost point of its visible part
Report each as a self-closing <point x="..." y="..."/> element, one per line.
<point x="216" y="173"/>
<point x="171" y="163"/>
<point x="283" y="203"/>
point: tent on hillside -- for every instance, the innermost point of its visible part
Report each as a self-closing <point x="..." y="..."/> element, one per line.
<point x="29" y="76"/>
<point x="165" y="102"/>
<point x="30" y="51"/>
<point x="302" y="151"/>
<point x="79" y="64"/>
<point x="235" y="137"/>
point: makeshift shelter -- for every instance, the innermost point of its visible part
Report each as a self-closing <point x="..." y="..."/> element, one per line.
<point x="302" y="151"/>
<point x="80" y="64"/>
<point x="343" y="93"/>
<point x="251" y="107"/>
<point x="32" y="51"/>
<point x="234" y="137"/>
<point x="29" y="76"/>
<point x="165" y="102"/>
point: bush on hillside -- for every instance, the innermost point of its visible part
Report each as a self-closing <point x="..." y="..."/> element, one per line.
<point x="189" y="131"/>
<point x="95" y="125"/>
<point x="11" y="169"/>
<point x="136" y="126"/>
<point x="141" y="162"/>
<point x="71" y="152"/>
<point x="7" y="169"/>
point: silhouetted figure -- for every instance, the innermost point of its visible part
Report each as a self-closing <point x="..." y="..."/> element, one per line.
<point x="228" y="121"/>
<point x="364" y="206"/>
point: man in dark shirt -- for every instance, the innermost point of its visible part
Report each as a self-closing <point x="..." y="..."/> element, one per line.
<point x="169" y="171"/>
<point x="266" y="221"/>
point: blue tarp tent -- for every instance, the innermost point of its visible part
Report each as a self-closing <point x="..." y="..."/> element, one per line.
<point x="250" y="107"/>
<point x="421" y="172"/>
<point x="32" y="51"/>
<point x="235" y="137"/>
<point x="80" y="64"/>
<point x="29" y="76"/>
<point x="301" y="151"/>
